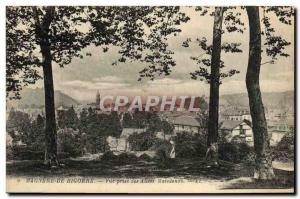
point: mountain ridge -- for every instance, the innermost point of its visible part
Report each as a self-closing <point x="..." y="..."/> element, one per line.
<point x="34" y="98"/>
<point x="270" y="99"/>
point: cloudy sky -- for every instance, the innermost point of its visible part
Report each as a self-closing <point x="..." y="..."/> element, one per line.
<point x="83" y="77"/>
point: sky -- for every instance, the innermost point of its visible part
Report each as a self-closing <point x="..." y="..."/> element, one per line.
<point x="83" y="77"/>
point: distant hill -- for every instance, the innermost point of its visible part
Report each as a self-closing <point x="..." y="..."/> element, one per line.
<point x="34" y="98"/>
<point x="271" y="100"/>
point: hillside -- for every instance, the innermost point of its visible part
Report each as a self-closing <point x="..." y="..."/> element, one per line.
<point x="34" y="98"/>
<point x="270" y="100"/>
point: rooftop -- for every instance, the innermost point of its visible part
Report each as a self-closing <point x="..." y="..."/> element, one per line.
<point x="187" y="121"/>
<point x="235" y="112"/>
<point x="126" y="132"/>
<point x="230" y="124"/>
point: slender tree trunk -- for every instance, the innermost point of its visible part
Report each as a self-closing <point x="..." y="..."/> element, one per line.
<point x="213" y="121"/>
<point x="50" y="131"/>
<point x="42" y="33"/>
<point x="263" y="167"/>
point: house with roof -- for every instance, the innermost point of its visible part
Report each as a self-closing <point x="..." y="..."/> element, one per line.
<point x="118" y="144"/>
<point x="126" y="132"/>
<point x="235" y="114"/>
<point x="236" y="130"/>
<point x="186" y="124"/>
<point x="121" y="143"/>
<point x="61" y="109"/>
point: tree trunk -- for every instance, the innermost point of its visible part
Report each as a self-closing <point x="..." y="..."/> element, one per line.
<point x="42" y="30"/>
<point x="263" y="166"/>
<point x="50" y="131"/>
<point x="213" y="120"/>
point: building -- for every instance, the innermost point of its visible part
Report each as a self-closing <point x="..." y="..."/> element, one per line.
<point x="126" y="132"/>
<point x="118" y="144"/>
<point x="60" y="112"/>
<point x="122" y="144"/>
<point x="188" y="124"/>
<point x="278" y="129"/>
<point x="237" y="115"/>
<point x="285" y="126"/>
<point x="234" y="129"/>
<point x="96" y="104"/>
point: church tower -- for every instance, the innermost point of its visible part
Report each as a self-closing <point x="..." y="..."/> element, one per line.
<point x="98" y="99"/>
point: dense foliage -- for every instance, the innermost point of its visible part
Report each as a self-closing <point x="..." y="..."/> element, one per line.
<point x="86" y="132"/>
<point x="188" y="146"/>
<point x="139" y="32"/>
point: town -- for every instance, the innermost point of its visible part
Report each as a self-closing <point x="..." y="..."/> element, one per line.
<point x="197" y="99"/>
<point x="235" y="122"/>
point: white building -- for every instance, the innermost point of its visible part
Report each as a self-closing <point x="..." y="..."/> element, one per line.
<point x="232" y="129"/>
<point x="188" y="124"/>
<point x="122" y="144"/>
<point x="237" y="115"/>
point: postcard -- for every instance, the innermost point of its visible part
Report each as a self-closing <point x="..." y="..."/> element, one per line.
<point x="150" y="99"/>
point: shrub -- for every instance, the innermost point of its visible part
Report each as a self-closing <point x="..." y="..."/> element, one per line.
<point x="69" y="143"/>
<point x="163" y="148"/>
<point x="162" y="153"/>
<point x="145" y="157"/>
<point x="143" y="141"/>
<point x="109" y="155"/>
<point x="234" y="152"/>
<point x="250" y="158"/>
<point x="285" y="143"/>
<point x="123" y="158"/>
<point x="9" y="153"/>
<point x="189" y="145"/>
<point x="284" y="151"/>
<point x="95" y="143"/>
<point x="126" y="158"/>
<point x="24" y="152"/>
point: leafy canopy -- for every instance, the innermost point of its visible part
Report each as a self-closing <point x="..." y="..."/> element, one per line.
<point x="274" y="45"/>
<point x="141" y="34"/>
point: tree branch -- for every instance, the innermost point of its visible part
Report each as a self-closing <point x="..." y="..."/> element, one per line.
<point x="268" y="62"/>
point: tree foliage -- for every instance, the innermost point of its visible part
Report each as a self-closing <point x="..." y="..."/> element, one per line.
<point x="275" y="45"/>
<point x="232" y="23"/>
<point x="70" y="29"/>
<point x="25" y="129"/>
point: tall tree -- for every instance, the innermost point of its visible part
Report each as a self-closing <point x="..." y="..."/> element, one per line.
<point x="257" y="111"/>
<point x="127" y="121"/>
<point x="213" y="115"/>
<point x="38" y="36"/>
<point x="166" y="127"/>
<point x="114" y="124"/>
<point x="19" y="126"/>
<point x="213" y="60"/>
<point x="83" y="120"/>
<point x="275" y="47"/>
<point x="68" y="119"/>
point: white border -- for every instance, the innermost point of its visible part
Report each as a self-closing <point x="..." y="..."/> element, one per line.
<point x="4" y="3"/>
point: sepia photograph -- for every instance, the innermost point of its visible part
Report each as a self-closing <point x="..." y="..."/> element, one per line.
<point x="150" y="99"/>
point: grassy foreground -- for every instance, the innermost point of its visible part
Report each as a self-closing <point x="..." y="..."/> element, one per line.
<point x="232" y="175"/>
